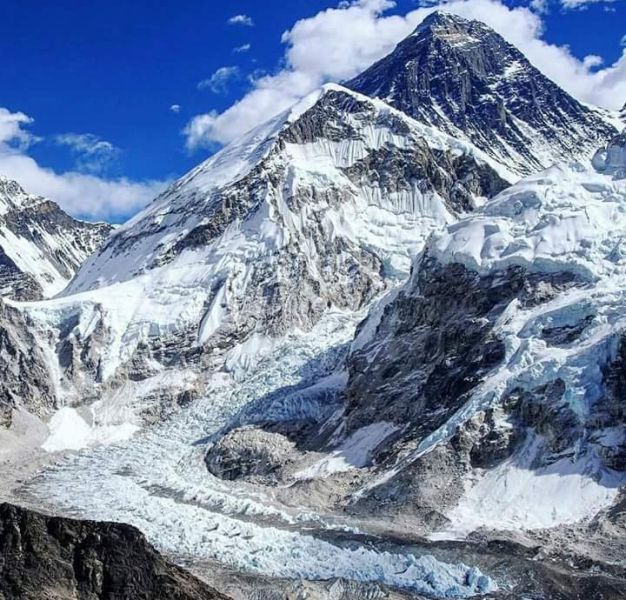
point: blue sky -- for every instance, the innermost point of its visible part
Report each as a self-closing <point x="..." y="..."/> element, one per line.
<point x="95" y="82"/>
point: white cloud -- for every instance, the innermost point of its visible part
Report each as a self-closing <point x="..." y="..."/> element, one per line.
<point x="338" y="43"/>
<point x="582" y="4"/>
<point x="540" y="6"/>
<point x="175" y="108"/>
<point x="93" y="155"/>
<point x="241" y="20"/>
<point x="623" y="41"/>
<point x="242" y="48"/>
<point x="12" y="132"/>
<point x="80" y="194"/>
<point x="218" y="82"/>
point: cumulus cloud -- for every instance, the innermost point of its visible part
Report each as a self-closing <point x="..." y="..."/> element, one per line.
<point x="338" y="43"/>
<point x="175" y="108"/>
<point x="242" y="48"/>
<point x="218" y="82"/>
<point x="82" y="194"/>
<point x="93" y="155"/>
<point x="241" y="20"/>
<point x="12" y="132"/>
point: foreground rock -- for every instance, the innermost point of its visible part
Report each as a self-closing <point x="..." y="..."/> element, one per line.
<point x="49" y="558"/>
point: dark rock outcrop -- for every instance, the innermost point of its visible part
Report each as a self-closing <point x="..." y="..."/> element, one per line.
<point x="25" y="378"/>
<point x="51" y="558"/>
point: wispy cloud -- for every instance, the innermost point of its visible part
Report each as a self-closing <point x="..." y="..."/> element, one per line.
<point x="82" y="194"/>
<point x="582" y="4"/>
<point x="175" y="108"/>
<point x="93" y="155"/>
<point x="242" y="48"/>
<point x="241" y="20"/>
<point x="219" y="81"/>
<point x="338" y="43"/>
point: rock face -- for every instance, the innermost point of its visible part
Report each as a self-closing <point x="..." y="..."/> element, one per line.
<point x="48" y="558"/>
<point x="436" y="342"/>
<point x="41" y="247"/>
<point x="25" y="378"/>
<point x="464" y="78"/>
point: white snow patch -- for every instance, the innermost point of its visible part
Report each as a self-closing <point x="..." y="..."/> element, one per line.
<point x="69" y="431"/>
<point x="515" y="495"/>
<point x="354" y="453"/>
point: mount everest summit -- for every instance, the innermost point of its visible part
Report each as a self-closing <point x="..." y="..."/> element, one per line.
<point x="378" y="341"/>
<point x="463" y="78"/>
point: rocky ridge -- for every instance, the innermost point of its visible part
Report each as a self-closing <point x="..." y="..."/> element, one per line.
<point x="51" y="558"/>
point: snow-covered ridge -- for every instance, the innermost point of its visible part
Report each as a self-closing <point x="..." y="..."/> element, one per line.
<point x="568" y="218"/>
<point x="196" y="197"/>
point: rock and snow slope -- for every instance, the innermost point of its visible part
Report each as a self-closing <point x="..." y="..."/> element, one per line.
<point x="501" y="361"/>
<point x="41" y="247"/>
<point x="465" y="79"/>
<point x="235" y="295"/>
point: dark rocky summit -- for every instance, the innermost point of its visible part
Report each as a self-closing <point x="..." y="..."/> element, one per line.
<point x="50" y="558"/>
<point x="465" y="79"/>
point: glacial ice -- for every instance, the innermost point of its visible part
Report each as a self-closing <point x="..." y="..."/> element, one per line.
<point x="158" y="482"/>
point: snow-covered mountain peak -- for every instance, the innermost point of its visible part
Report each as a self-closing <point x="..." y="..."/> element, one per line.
<point x="320" y="209"/>
<point x="13" y="196"/>
<point x="448" y="25"/>
<point x="464" y="78"/>
<point x="319" y="143"/>
<point x="41" y="247"/>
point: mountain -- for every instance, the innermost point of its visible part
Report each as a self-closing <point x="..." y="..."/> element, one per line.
<point x="465" y="79"/>
<point x="344" y="333"/>
<point x="51" y="558"/>
<point x="322" y="207"/>
<point x="41" y="247"/>
<point x="622" y="114"/>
